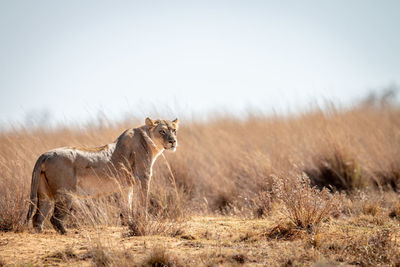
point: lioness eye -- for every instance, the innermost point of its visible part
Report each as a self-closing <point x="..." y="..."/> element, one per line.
<point x="162" y="132"/>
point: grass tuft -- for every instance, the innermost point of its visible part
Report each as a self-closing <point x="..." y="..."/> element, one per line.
<point x="165" y="215"/>
<point x="100" y="255"/>
<point x="379" y="248"/>
<point x="285" y="231"/>
<point x="12" y="206"/>
<point x="305" y="206"/>
<point x="159" y="257"/>
<point x="388" y="179"/>
<point x="262" y="204"/>
<point x="338" y="172"/>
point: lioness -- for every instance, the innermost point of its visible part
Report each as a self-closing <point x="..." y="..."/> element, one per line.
<point x="97" y="171"/>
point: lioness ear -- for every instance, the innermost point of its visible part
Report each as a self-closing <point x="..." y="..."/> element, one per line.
<point x="176" y="121"/>
<point x="149" y="122"/>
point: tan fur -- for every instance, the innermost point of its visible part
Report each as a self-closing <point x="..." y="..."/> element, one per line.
<point x="97" y="171"/>
<point x="91" y="149"/>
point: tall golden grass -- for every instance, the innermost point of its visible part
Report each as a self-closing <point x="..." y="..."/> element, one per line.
<point x="223" y="165"/>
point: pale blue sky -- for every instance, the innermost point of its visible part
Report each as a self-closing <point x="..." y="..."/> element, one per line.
<point x="74" y="58"/>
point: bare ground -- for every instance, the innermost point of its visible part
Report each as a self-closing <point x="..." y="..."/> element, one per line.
<point x="210" y="241"/>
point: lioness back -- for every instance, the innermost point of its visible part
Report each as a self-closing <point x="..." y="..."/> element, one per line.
<point x="82" y="171"/>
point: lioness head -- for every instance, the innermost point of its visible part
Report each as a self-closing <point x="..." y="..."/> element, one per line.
<point x="163" y="132"/>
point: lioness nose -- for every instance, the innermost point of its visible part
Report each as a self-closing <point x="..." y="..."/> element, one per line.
<point x="172" y="141"/>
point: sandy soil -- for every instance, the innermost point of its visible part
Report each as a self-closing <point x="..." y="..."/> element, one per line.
<point x="201" y="241"/>
<point x="198" y="237"/>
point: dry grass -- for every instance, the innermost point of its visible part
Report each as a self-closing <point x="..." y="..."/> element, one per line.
<point x="228" y="167"/>
<point x="211" y="241"/>
<point x="305" y="206"/>
<point x="165" y="214"/>
<point x="338" y="172"/>
<point x="105" y="256"/>
<point x="159" y="256"/>
<point x="62" y="255"/>
<point x="13" y="191"/>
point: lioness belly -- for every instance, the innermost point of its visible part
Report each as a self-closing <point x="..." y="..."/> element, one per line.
<point x="90" y="185"/>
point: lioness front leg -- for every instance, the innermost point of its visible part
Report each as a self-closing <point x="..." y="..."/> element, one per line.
<point x="143" y="174"/>
<point x="144" y="177"/>
<point x="145" y="188"/>
<point x="125" y="203"/>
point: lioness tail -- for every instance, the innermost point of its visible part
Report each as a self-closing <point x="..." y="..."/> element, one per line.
<point x="34" y="186"/>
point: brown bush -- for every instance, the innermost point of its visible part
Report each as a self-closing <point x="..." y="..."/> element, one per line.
<point x="159" y="256"/>
<point x="262" y="204"/>
<point x="165" y="214"/>
<point x="13" y="205"/>
<point x="287" y="231"/>
<point x="305" y="206"/>
<point x="379" y="248"/>
<point x="103" y="255"/>
<point x="338" y="172"/>
<point x="388" y="179"/>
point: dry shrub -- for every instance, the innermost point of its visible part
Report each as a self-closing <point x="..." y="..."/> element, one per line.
<point x="296" y="257"/>
<point x="94" y="211"/>
<point x="61" y="255"/>
<point x="105" y="256"/>
<point x="287" y="231"/>
<point x="13" y="205"/>
<point x="374" y="204"/>
<point x="338" y="171"/>
<point x="305" y="206"/>
<point x="239" y="258"/>
<point x="101" y="256"/>
<point x="139" y="225"/>
<point x="370" y="204"/>
<point x="165" y="214"/>
<point x="159" y="257"/>
<point x="13" y="183"/>
<point x="395" y="211"/>
<point x="167" y="202"/>
<point x="371" y="208"/>
<point x="367" y="248"/>
<point x="376" y="249"/>
<point x="388" y="179"/>
<point x="262" y="204"/>
<point x="222" y="201"/>
<point x="221" y="257"/>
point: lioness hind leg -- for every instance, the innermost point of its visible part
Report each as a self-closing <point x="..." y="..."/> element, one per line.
<point x="43" y="208"/>
<point x="61" y="209"/>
